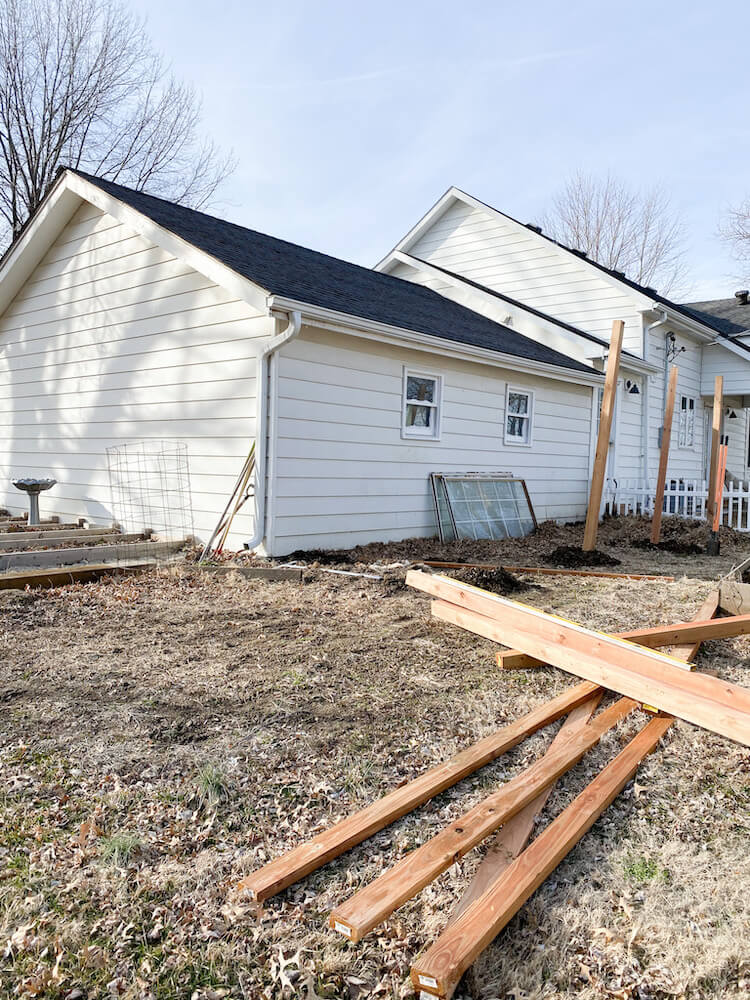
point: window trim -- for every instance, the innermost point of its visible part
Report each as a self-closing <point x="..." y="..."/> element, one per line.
<point x="411" y="435"/>
<point x="509" y="439"/>
<point x="691" y="445"/>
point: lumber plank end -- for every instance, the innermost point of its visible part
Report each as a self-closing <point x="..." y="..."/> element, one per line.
<point x="513" y="660"/>
<point x="425" y="983"/>
<point x="342" y="927"/>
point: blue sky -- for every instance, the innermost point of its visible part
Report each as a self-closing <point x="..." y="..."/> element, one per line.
<point x="349" y="120"/>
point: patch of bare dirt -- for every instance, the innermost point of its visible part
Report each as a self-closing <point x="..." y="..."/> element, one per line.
<point x="572" y="557"/>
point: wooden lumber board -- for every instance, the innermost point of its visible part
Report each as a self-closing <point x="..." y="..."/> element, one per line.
<point x="546" y="571"/>
<point x="439" y="970"/>
<point x="666" y="438"/>
<point x="514" y="834"/>
<point x="57" y="532"/>
<point x="49" y="558"/>
<point x="371" y="905"/>
<point x="602" y="442"/>
<point x="648" y="676"/>
<point x="23" y="541"/>
<point x="59" y="576"/>
<point x="700" y="685"/>
<point x="653" y="636"/>
<point x="308" y="857"/>
<point x="689" y="650"/>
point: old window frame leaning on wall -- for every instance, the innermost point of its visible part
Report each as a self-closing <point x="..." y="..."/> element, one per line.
<point x="481" y="505"/>
<point x="686" y="429"/>
<point x="416" y="397"/>
<point x="519" y="418"/>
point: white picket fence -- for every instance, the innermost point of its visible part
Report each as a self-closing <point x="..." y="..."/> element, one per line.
<point x="682" y="498"/>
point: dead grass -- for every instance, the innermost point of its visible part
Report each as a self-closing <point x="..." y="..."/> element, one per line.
<point x="207" y="724"/>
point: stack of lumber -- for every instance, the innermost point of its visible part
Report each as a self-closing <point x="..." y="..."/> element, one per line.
<point x="630" y="665"/>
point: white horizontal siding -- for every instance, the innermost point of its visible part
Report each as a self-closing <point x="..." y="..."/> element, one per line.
<point x="525" y="266"/>
<point x="115" y="340"/>
<point x="686" y="462"/>
<point x="344" y="475"/>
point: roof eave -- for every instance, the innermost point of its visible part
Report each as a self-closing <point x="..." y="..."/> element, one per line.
<point x="432" y="343"/>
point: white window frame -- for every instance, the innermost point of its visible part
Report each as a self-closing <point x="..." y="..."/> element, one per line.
<point x="682" y="440"/>
<point x="420" y="434"/>
<point x="510" y="439"/>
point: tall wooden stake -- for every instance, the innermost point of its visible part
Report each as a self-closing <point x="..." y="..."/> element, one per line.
<point x="713" y="538"/>
<point x="602" y="442"/>
<point x="666" y="434"/>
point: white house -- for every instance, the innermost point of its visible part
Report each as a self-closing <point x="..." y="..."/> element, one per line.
<point x="124" y="317"/>
<point x="493" y="264"/>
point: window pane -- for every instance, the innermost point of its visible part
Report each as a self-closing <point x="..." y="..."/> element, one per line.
<point x="518" y="427"/>
<point x="422" y="389"/>
<point x="518" y="402"/>
<point x="418" y="416"/>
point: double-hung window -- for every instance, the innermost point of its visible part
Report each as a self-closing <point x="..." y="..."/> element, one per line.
<point x="686" y="432"/>
<point x="421" y="405"/>
<point x="519" y="413"/>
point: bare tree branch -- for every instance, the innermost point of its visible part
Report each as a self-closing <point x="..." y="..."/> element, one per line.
<point x="81" y="85"/>
<point x="637" y="233"/>
<point x="735" y="230"/>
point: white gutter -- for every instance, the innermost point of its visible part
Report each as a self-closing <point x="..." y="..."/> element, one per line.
<point x="384" y="333"/>
<point x="261" y="430"/>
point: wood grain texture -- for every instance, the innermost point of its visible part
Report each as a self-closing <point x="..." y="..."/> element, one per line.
<point x="455" y="950"/>
<point x="666" y="437"/>
<point x="602" y="442"/>
<point x="513" y="835"/>
<point x="688" y="652"/>
<point x="716" y="420"/>
<point x="644" y="674"/>
<point x="318" y="851"/>
<point x="371" y="905"/>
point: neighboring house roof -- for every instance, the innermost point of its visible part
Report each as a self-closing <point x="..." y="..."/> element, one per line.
<point x="316" y="279"/>
<point x="732" y="315"/>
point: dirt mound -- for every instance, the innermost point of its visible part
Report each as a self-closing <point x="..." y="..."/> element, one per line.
<point x="673" y="545"/>
<point x="498" y="581"/>
<point x="570" y="557"/>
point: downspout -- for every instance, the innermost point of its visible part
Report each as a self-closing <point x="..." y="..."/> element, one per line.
<point x="261" y="431"/>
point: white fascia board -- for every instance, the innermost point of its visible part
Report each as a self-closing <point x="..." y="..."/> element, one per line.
<point x="443" y="202"/>
<point x="211" y="268"/>
<point x="383" y="333"/>
<point x="40" y="233"/>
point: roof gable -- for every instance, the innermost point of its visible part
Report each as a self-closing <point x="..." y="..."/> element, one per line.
<point x="292" y="272"/>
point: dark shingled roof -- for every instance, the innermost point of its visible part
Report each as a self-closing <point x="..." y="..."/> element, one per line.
<point x="313" y="278"/>
<point x="730" y="316"/>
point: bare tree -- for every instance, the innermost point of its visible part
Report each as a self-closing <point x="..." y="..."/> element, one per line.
<point x="81" y="86"/>
<point x="638" y="233"/>
<point x="735" y="230"/>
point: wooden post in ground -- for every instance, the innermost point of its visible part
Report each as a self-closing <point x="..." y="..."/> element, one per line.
<point x="666" y="434"/>
<point x="602" y="441"/>
<point x="713" y="537"/>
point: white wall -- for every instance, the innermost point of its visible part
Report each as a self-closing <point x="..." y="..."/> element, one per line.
<point x="114" y="340"/>
<point x="343" y="474"/>
<point x="525" y="266"/>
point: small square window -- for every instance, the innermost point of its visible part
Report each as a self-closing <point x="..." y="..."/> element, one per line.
<point x="519" y="414"/>
<point x="421" y="405"/>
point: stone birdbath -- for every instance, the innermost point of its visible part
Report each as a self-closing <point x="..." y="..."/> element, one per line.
<point x="34" y="487"/>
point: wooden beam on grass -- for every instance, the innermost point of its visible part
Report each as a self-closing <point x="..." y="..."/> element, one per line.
<point x="649" y="676"/>
<point x="701" y="685"/>
<point x="308" y="857"/>
<point x="496" y="863"/>
<point x="439" y="970"/>
<point x="602" y="441"/>
<point x="513" y="836"/>
<point x="371" y="905"/>
<point x="546" y="571"/>
<point x="666" y="437"/>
